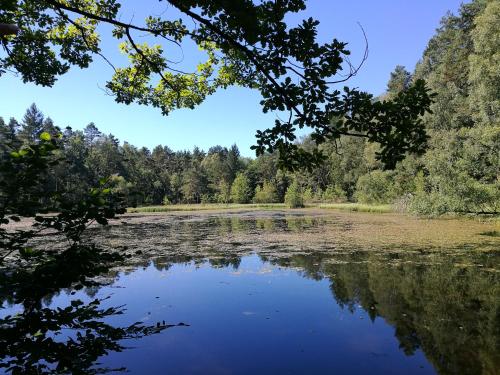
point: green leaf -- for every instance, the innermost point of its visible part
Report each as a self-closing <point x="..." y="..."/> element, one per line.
<point x="26" y="252"/>
<point x="38" y="333"/>
<point x="45" y="136"/>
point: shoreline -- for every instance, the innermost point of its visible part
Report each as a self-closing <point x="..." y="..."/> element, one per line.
<point x="312" y="208"/>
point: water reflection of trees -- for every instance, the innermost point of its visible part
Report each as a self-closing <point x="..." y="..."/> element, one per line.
<point x="451" y="313"/>
<point x="67" y="340"/>
<point x="38" y="338"/>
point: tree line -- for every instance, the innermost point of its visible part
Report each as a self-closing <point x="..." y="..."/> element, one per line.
<point x="460" y="171"/>
<point x="160" y="176"/>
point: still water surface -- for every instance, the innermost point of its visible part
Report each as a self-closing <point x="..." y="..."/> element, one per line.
<point x="256" y="317"/>
<point x="299" y="295"/>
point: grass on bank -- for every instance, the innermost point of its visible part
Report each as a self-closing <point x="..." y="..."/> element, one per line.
<point x="355" y="207"/>
<point x="206" y="206"/>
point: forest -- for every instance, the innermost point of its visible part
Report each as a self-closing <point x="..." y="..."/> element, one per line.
<point x="459" y="173"/>
<point x="89" y="285"/>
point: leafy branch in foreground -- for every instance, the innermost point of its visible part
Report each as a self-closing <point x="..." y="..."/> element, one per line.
<point x="245" y="43"/>
<point x="41" y="339"/>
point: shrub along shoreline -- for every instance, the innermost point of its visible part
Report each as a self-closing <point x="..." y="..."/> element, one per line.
<point x="354" y="207"/>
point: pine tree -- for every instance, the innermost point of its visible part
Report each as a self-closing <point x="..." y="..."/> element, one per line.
<point x="32" y="125"/>
<point x="91" y="133"/>
<point x="399" y="81"/>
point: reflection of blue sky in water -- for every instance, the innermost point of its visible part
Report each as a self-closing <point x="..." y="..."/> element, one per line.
<point x="258" y="318"/>
<point x="321" y="295"/>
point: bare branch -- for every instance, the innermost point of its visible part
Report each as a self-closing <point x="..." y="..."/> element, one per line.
<point x="355" y="71"/>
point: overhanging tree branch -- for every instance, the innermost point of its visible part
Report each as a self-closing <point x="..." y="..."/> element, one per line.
<point x="287" y="64"/>
<point x="7" y="29"/>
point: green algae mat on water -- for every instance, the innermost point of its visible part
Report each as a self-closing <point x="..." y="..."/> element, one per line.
<point x="304" y="291"/>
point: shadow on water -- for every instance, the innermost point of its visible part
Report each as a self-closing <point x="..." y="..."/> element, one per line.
<point x="439" y="308"/>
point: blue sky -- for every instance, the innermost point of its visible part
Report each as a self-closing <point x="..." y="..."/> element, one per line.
<point x="397" y="31"/>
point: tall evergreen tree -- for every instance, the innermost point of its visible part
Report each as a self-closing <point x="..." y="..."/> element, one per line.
<point x="399" y="81"/>
<point x="32" y="125"/>
<point x="91" y="133"/>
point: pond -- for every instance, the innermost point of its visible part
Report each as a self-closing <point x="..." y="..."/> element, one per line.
<point x="309" y="292"/>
